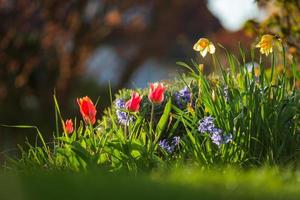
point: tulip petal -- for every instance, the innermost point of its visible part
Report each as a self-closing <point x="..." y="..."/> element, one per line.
<point x="156" y="93"/>
<point x="87" y="110"/>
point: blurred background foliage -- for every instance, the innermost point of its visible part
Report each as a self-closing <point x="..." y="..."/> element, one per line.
<point x="76" y="47"/>
<point x="283" y="20"/>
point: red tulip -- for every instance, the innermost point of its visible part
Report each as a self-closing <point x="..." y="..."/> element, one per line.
<point x="156" y="93"/>
<point x="68" y="125"/>
<point x="133" y="104"/>
<point x="87" y="110"/>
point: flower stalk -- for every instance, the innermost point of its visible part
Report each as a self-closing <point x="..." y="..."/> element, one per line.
<point x="151" y="123"/>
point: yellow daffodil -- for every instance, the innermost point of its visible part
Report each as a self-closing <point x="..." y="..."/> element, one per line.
<point x="203" y="46"/>
<point x="266" y="44"/>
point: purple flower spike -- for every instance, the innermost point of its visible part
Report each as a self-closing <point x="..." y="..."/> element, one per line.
<point x="169" y="147"/>
<point x="183" y="97"/>
<point x="176" y="140"/>
<point x="164" y="145"/>
<point x="120" y="103"/>
<point x="206" y="125"/>
<point x="123" y="117"/>
<point x="217" y="139"/>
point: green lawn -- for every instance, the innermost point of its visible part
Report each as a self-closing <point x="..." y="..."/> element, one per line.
<point x="178" y="184"/>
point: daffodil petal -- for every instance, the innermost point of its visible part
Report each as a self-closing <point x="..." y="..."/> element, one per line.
<point x="211" y="48"/>
<point x="266" y="44"/>
<point x="203" y="52"/>
<point x="197" y="47"/>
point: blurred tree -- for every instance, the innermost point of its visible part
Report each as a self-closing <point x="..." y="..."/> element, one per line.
<point x="45" y="44"/>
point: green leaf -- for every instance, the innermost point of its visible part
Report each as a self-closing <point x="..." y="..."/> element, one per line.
<point x="164" y="118"/>
<point x="57" y="115"/>
<point x="294" y="70"/>
<point x="185" y="66"/>
<point x="28" y="127"/>
<point x="81" y="152"/>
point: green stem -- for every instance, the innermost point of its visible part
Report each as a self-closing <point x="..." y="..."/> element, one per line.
<point x="272" y="67"/>
<point x="126" y="125"/>
<point x="125" y="131"/>
<point x="91" y="128"/>
<point x="214" y="62"/>
<point x="151" y="123"/>
<point x="284" y="71"/>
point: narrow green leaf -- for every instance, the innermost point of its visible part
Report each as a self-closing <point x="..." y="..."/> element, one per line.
<point x="164" y="118"/>
<point x="185" y="66"/>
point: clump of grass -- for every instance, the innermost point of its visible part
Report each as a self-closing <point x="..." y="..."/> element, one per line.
<point x="242" y="115"/>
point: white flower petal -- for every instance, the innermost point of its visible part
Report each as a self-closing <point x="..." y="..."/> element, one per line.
<point x="211" y="48"/>
<point x="203" y="52"/>
<point x="197" y="47"/>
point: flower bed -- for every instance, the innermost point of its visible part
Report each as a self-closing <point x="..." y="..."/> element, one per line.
<point x="243" y="115"/>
